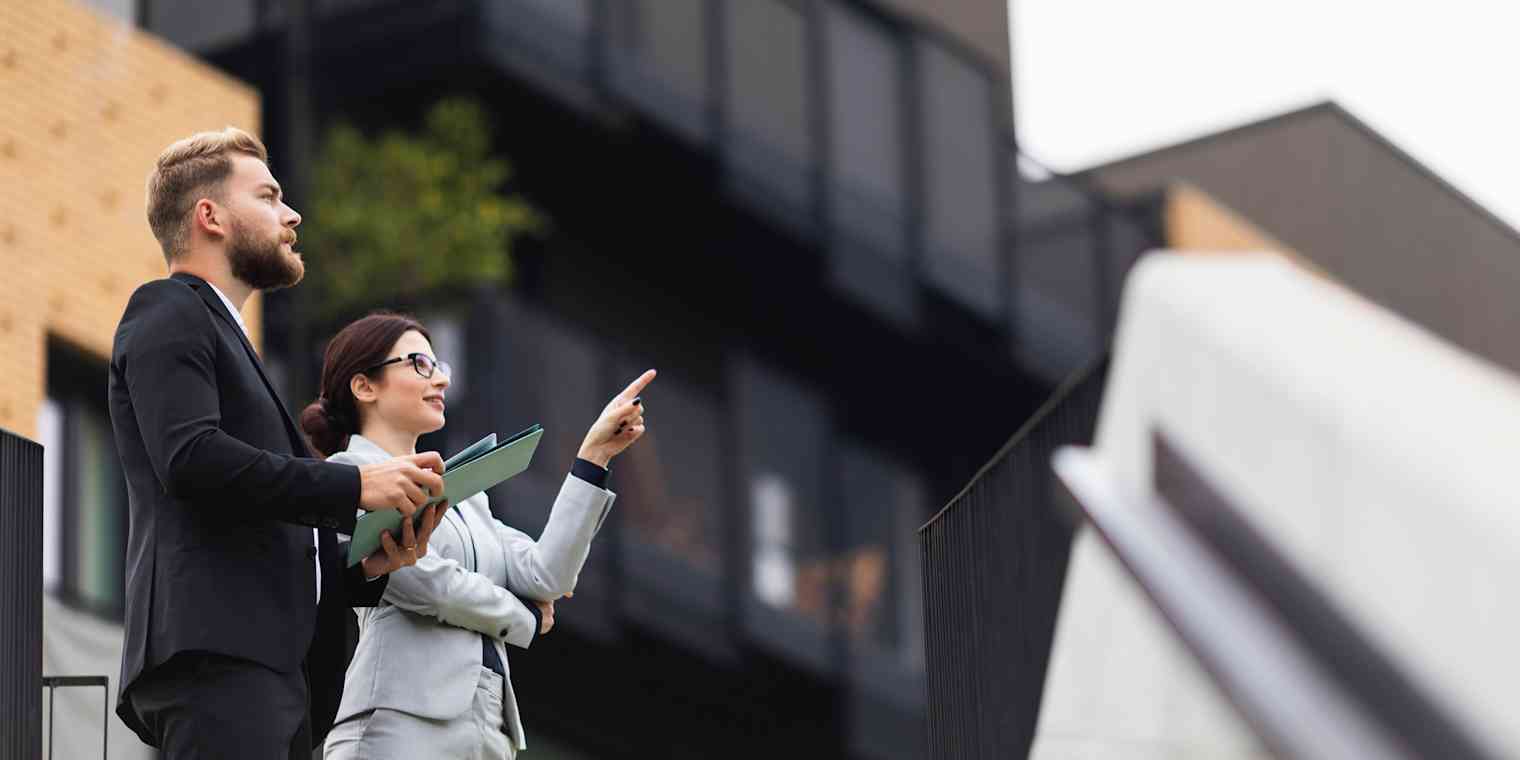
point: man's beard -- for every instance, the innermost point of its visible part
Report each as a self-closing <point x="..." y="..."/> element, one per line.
<point x="261" y="265"/>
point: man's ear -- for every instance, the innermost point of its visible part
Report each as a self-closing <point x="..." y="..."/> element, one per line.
<point x="209" y="217"/>
<point x="362" y="388"/>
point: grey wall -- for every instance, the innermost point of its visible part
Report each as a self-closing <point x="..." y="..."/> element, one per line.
<point x="1330" y="188"/>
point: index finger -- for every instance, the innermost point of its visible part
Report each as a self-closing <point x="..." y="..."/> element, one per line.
<point x="637" y="386"/>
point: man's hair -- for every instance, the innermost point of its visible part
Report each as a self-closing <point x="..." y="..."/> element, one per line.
<point x="188" y="170"/>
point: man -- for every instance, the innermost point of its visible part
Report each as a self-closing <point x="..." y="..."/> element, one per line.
<point x="236" y="582"/>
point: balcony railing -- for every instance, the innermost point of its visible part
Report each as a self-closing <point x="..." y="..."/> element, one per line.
<point x="994" y="560"/>
<point x="20" y="596"/>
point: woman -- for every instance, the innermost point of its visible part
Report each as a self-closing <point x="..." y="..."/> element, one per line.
<point x="429" y="678"/>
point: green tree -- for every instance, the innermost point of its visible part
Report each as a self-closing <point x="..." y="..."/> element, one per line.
<point x="399" y="217"/>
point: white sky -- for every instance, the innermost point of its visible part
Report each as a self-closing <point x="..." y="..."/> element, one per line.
<point x="1096" y="80"/>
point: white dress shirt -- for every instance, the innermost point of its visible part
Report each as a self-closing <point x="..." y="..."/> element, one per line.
<point x="315" y="540"/>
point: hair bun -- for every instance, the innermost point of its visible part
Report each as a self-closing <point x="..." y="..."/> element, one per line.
<point x="324" y="429"/>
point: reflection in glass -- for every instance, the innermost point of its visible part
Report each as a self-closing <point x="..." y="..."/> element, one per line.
<point x="783" y="438"/>
<point x="775" y="576"/>
<point x="883" y="501"/>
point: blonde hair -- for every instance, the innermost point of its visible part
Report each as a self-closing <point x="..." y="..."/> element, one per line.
<point x="188" y="170"/>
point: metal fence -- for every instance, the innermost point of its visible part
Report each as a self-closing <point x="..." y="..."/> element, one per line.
<point x="994" y="560"/>
<point x="20" y="598"/>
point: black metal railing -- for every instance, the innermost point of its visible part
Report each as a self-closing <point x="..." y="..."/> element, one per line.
<point x="20" y="597"/>
<point x="994" y="561"/>
<point x="54" y="683"/>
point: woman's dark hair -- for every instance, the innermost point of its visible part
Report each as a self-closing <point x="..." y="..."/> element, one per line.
<point x="333" y="417"/>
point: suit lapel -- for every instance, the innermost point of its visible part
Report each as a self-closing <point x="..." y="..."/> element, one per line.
<point x="218" y="308"/>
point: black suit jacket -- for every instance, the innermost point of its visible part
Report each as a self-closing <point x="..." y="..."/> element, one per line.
<point x="223" y="493"/>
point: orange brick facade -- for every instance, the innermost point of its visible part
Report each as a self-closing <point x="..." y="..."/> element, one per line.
<point x="88" y="104"/>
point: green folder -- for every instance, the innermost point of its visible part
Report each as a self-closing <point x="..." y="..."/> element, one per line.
<point x="470" y="452"/>
<point x="479" y="466"/>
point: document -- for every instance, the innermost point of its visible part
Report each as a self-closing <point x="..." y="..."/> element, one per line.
<point x="477" y="467"/>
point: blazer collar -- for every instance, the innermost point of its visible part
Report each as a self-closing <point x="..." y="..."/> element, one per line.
<point x="365" y="449"/>
<point x="208" y="295"/>
<point x="214" y="302"/>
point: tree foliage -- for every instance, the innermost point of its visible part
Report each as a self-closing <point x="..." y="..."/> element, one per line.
<point x="397" y="217"/>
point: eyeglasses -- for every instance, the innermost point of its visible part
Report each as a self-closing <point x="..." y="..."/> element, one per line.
<point x="422" y="363"/>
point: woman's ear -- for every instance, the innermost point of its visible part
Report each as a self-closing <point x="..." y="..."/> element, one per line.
<point x="364" y="391"/>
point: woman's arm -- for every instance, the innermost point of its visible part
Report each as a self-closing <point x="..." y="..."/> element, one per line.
<point x="439" y="586"/>
<point x="548" y="568"/>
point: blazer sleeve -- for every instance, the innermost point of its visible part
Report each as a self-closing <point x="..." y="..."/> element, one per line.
<point x="439" y="586"/>
<point x="548" y="568"/>
<point x="361" y="591"/>
<point x="167" y="355"/>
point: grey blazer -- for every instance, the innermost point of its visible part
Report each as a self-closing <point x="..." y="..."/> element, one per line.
<point x="419" y="648"/>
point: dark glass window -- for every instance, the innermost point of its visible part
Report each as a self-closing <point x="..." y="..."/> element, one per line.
<point x="883" y="502"/>
<point x="881" y="600"/>
<point x="1056" y="314"/>
<point x="87" y="509"/>
<point x="960" y="164"/>
<point x="545" y="373"/>
<point x="865" y="73"/>
<point x="1126" y="240"/>
<point x="199" y="25"/>
<point x="670" y="483"/>
<point x="545" y="39"/>
<point x="769" y="149"/>
<point x="783" y="433"/>
<point x="659" y="59"/>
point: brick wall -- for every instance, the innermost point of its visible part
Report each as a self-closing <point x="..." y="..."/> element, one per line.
<point x="88" y="104"/>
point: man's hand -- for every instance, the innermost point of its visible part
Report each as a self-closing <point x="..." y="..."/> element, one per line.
<point x="402" y="483"/>
<point x="620" y="424"/>
<point x="547" y="616"/>
<point x="414" y="544"/>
